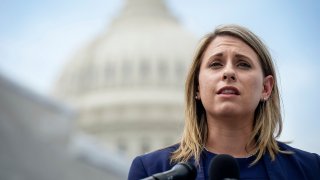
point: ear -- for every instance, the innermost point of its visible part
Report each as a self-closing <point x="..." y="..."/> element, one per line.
<point x="198" y="94"/>
<point x="268" y="83"/>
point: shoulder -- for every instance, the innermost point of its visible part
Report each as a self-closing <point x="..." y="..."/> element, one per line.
<point x="308" y="164"/>
<point x="301" y="155"/>
<point x="159" y="156"/>
<point x="154" y="162"/>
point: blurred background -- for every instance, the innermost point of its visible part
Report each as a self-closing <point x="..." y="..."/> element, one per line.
<point x="85" y="86"/>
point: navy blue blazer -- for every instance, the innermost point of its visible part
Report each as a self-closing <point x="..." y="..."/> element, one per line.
<point x="301" y="165"/>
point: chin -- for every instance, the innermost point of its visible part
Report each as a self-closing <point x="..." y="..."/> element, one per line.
<point x="229" y="111"/>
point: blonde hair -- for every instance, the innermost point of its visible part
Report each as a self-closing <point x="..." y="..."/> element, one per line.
<point x="267" y="119"/>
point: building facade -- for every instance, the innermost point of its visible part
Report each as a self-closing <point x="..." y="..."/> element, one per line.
<point x="127" y="85"/>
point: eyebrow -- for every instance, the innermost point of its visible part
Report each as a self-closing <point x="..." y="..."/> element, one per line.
<point x="242" y="56"/>
<point x="237" y="56"/>
<point x="215" y="55"/>
<point x="218" y="54"/>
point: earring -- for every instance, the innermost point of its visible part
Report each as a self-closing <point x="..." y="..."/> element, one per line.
<point x="197" y="97"/>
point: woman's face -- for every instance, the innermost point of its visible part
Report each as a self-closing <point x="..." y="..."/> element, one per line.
<point x="231" y="81"/>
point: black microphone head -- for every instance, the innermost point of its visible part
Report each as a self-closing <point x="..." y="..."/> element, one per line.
<point x="181" y="171"/>
<point x="187" y="171"/>
<point x="223" y="166"/>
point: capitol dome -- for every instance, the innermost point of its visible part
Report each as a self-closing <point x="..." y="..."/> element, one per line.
<point x="127" y="85"/>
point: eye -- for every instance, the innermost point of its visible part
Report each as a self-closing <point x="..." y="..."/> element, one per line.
<point x="215" y="64"/>
<point x="244" y="65"/>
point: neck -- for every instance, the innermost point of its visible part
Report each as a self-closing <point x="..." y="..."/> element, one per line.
<point x="230" y="136"/>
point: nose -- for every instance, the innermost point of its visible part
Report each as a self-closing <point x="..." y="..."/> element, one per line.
<point x="229" y="75"/>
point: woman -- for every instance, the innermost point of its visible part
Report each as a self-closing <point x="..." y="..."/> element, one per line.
<point x="232" y="107"/>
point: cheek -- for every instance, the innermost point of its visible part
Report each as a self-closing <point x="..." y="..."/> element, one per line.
<point x="203" y="86"/>
<point x="206" y="83"/>
<point x="256" y="87"/>
<point x="201" y="80"/>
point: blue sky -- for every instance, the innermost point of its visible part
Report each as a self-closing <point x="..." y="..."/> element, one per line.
<point x="37" y="37"/>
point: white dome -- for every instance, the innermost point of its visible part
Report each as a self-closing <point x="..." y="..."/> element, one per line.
<point x="128" y="83"/>
<point x="144" y="47"/>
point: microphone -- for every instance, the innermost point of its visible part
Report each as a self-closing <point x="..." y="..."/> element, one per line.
<point x="224" y="167"/>
<point x="180" y="171"/>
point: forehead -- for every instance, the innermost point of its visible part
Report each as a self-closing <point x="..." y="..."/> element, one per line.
<point x="225" y="43"/>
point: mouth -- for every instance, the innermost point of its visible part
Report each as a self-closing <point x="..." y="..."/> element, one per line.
<point x="228" y="90"/>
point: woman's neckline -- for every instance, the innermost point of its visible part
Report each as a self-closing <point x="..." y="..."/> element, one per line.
<point x="245" y="157"/>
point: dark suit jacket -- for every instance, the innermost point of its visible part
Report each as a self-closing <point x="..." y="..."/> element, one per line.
<point x="300" y="166"/>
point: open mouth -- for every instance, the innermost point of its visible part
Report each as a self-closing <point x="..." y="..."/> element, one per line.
<point x="229" y="90"/>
